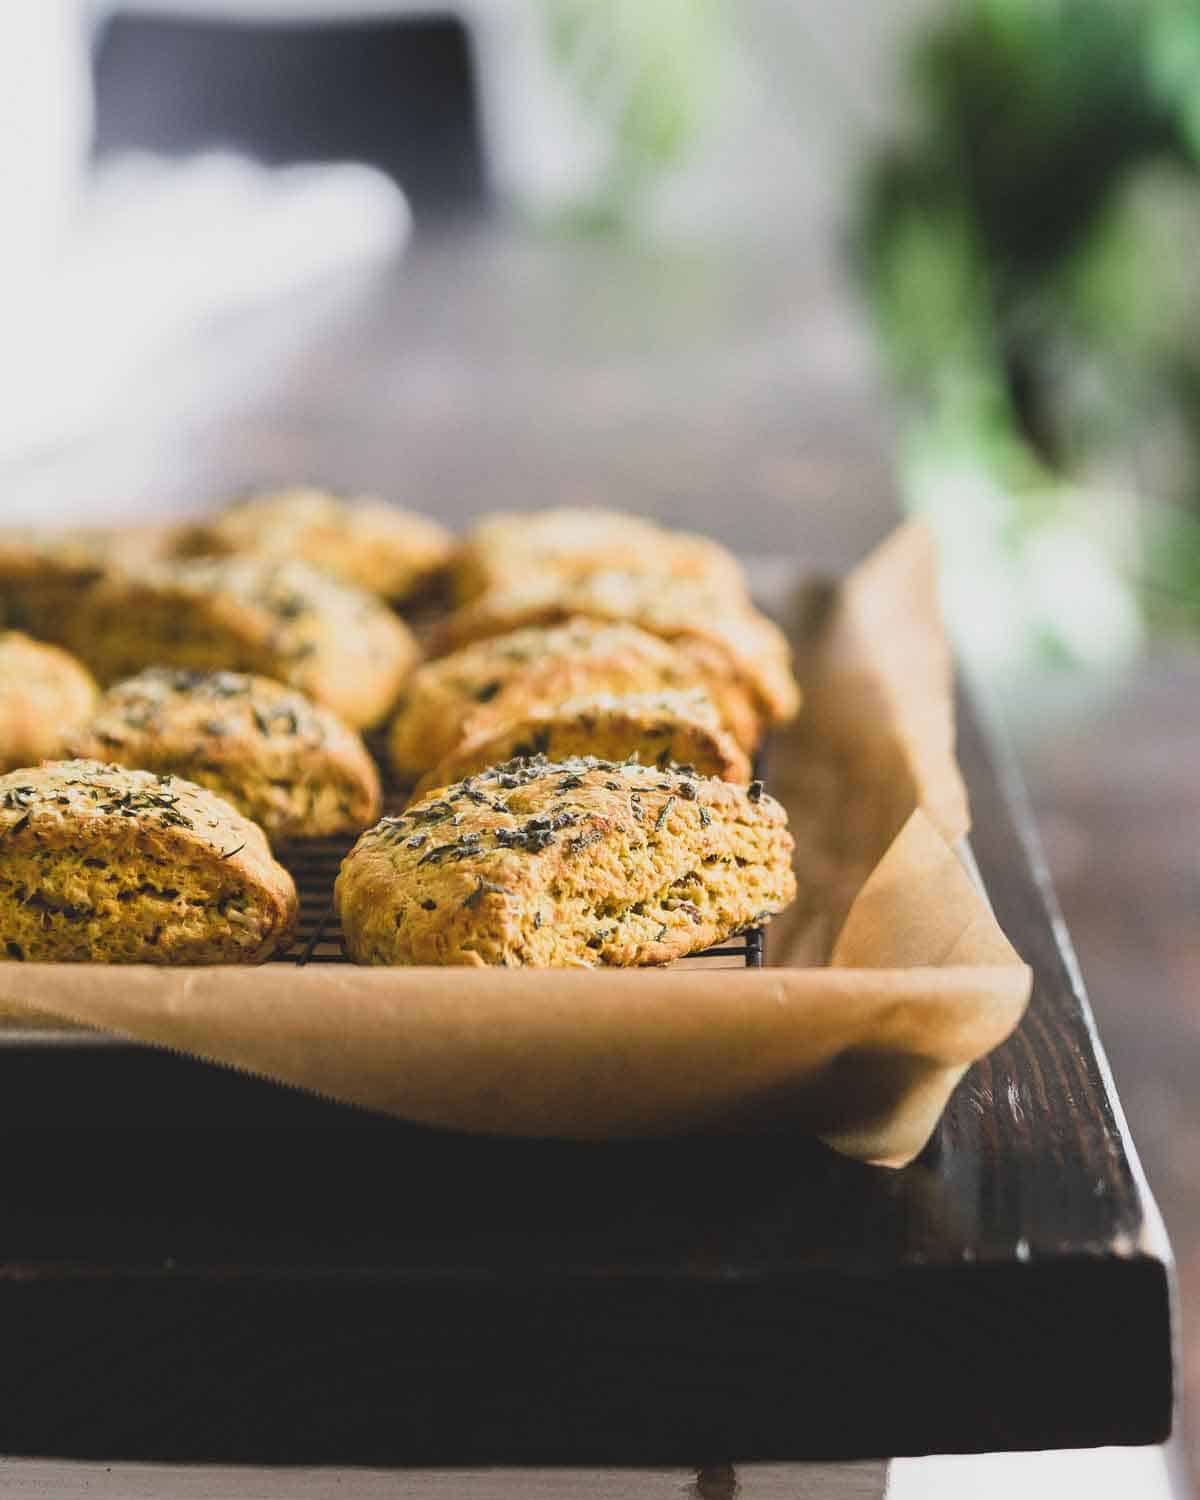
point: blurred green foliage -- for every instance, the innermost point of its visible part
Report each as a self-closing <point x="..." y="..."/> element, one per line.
<point x="1032" y="248"/>
<point x="643" y="72"/>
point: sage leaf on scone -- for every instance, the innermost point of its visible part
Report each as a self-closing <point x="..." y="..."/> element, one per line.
<point x="580" y="862"/>
<point x="360" y="540"/>
<point x="115" y="866"/>
<point x="288" y="764"/>
<point x="284" y="620"/>
<point x="451" y="700"/>
<point x="657" y="728"/>
<point x="44" y="695"/>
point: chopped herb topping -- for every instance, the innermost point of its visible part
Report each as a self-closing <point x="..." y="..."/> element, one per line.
<point x="662" y="817"/>
<point x="284" y="716"/>
<point x="476" y="896"/>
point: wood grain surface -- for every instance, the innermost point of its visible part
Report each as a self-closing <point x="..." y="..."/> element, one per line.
<point x="37" y="1480"/>
<point x="1118" y="803"/>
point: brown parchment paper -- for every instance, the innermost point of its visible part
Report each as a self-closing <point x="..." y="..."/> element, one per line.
<point x="886" y="981"/>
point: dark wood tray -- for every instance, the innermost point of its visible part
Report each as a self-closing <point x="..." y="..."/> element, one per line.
<point x="196" y="1265"/>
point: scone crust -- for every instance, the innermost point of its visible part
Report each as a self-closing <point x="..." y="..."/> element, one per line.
<point x="45" y="694"/>
<point x="124" y="866"/>
<point x="738" y="645"/>
<point x="470" y="691"/>
<point x="657" y="728"/>
<point x="286" y="763"/>
<point x="579" y="863"/>
<point x="361" y="540"/>
<point x="569" y="544"/>
<point x="43" y="571"/>
<point x="281" y="620"/>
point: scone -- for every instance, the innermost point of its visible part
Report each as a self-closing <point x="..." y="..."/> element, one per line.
<point x="362" y="541"/>
<point x="249" y="614"/>
<point x="578" y="862"/>
<point x="283" y="761"/>
<point x="744" y="655"/>
<point x="44" y="572"/>
<point x="44" y="695"/>
<point x="569" y="544"/>
<point x="656" y="728"/>
<point x="127" y="867"/>
<point x="473" y="690"/>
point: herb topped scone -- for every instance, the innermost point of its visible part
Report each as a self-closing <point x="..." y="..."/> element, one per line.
<point x="249" y="614"/>
<point x="656" y="728"/>
<point x="569" y="544"/>
<point x="745" y="658"/>
<point x="283" y="761"/>
<point x="578" y="862"/>
<point x="123" y="866"/>
<point x="457" y="697"/>
<point x="44" y="572"/>
<point x="363" y="541"/>
<point x="44" y="695"/>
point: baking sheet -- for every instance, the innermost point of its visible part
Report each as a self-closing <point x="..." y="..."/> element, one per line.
<point x="887" y="978"/>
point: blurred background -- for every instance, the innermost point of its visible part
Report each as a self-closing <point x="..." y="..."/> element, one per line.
<point x="776" y="268"/>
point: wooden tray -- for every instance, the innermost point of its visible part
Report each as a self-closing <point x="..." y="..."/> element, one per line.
<point x="221" y="1272"/>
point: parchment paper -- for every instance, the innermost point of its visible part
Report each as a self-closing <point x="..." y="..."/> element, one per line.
<point x="886" y="981"/>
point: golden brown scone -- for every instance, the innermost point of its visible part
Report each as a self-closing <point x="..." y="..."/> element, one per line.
<point x="656" y="728"/>
<point x="44" y="695"/>
<point x="473" y="690"/>
<point x="577" y="862"/>
<point x="43" y="572"/>
<point x="128" y="867"/>
<point x="362" y="541"/>
<point x="284" y="620"/>
<point x="571" y="544"/>
<point x="283" y="761"/>
<point x="742" y="653"/>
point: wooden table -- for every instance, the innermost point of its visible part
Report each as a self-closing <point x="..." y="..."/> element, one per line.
<point x="350" y="1292"/>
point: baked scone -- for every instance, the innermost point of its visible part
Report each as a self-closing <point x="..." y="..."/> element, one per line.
<point x="44" y="572"/>
<point x="283" y="620"/>
<point x="743" y="654"/>
<point x="44" y="695"/>
<point x="578" y="862"/>
<point x="123" y="866"/>
<point x="568" y="544"/>
<point x="283" y="761"/>
<point x="656" y="728"/>
<point x="362" y="540"/>
<point x="473" y="690"/>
